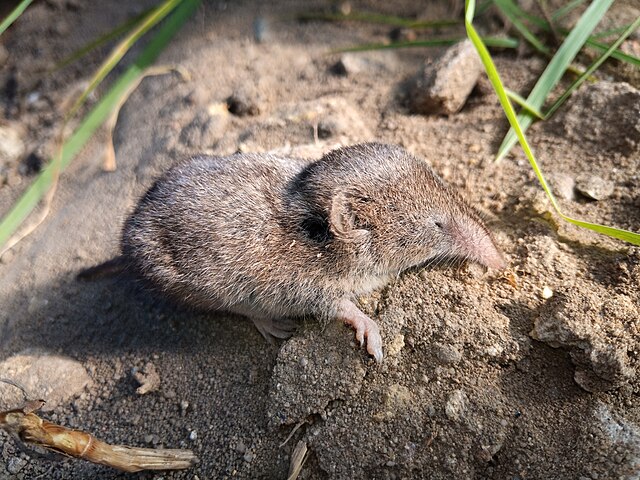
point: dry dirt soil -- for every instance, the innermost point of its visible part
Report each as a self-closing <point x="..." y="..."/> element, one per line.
<point x="527" y="374"/>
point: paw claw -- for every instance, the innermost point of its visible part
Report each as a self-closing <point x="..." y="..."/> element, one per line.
<point x="364" y="327"/>
<point x="374" y="345"/>
<point x="377" y="354"/>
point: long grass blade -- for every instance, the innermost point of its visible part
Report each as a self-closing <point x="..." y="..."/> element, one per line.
<point x="496" y="42"/>
<point x="494" y="77"/>
<point x="617" y="54"/>
<point x="370" y="17"/>
<point x="566" y="9"/>
<point x="556" y="68"/>
<point x="516" y="98"/>
<point x="94" y="119"/>
<point x="15" y="13"/>
<point x="101" y="40"/>
<point x="592" y="41"/>
<point x="594" y="66"/>
<point x="122" y="48"/>
<point x="511" y="11"/>
<point x="609" y="32"/>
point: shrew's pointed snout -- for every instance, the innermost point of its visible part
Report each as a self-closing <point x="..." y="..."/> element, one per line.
<point x="473" y="241"/>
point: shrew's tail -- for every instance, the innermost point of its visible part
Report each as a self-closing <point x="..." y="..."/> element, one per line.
<point x="110" y="268"/>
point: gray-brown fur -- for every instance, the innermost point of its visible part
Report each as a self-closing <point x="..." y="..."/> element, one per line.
<point x="274" y="237"/>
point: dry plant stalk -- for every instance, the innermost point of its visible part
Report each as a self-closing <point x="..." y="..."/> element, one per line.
<point x="109" y="164"/>
<point x="298" y="457"/>
<point x="31" y="429"/>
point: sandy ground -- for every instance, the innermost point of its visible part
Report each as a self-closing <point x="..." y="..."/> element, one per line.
<point x="484" y="377"/>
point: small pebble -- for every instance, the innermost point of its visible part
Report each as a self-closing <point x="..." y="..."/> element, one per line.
<point x="242" y="104"/>
<point x="402" y="34"/>
<point x="11" y="144"/>
<point x="547" y="293"/>
<point x="564" y="186"/>
<point x="456" y="406"/>
<point x="248" y="457"/>
<point x="7" y="256"/>
<point x="148" y="379"/>
<point x="475" y="148"/>
<point x="371" y="63"/>
<point x="31" y="165"/>
<point x="4" y="55"/>
<point x="594" y="187"/>
<point x="448" y="355"/>
<point x="443" y="86"/>
<point x="344" y="8"/>
<point x="33" y="97"/>
<point x="15" y="464"/>
<point x="261" y="30"/>
<point x="193" y="435"/>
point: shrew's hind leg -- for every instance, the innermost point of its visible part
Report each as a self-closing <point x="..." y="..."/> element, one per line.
<point x="272" y="328"/>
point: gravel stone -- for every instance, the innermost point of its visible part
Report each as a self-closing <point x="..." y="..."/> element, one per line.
<point x="443" y="86"/>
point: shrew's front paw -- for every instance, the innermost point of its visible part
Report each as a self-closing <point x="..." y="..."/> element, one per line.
<point x="366" y="329"/>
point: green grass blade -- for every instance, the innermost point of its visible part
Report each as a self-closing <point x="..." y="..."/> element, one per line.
<point x="94" y="119"/>
<point x="591" y="41"/>
<point x="520" y="13"/>
<point x="609" y="32"/>
<point x="15" y="13"/>
<point x="617" y="54"/>
<point x="594" y="66"/>
<point x="497" y="42"/>
<point x="483" y="7"/>
<point x="566" y="9"/>
<point x="494" y="77"/>
<point x="501" y="42"/>
<point x="122" y="48"/>
<point x="556" y="68"/>
<point x="370" y="17"/>
<point x="511" y="11"/>
<point x="515" y="97"/>
<point x="391" y="46"/>
<point x="101" y="40"/>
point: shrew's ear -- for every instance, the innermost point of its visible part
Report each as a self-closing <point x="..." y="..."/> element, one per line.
<point x="346" y="220"/>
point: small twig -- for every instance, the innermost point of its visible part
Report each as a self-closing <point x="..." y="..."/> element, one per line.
<point x="547" y="16"/>
<point x="31" y="429"/>
<point x="46" y="474"/>
<point x="295" y="429"/>
<point x="109" y="164"/>
<point x="28" y="229"/>
<point x="18" y="385"/>
<point x="298" y="457"/>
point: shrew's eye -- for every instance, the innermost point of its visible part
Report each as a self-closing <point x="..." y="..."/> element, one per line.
<point x="439" y="225"/>
<point x="316" y="228"/>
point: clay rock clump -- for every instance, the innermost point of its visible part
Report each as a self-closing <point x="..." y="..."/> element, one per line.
<point x="443" y="86"/>
<point x="52" y="377"/>
<point x="601" y="332"/>
<point x="604" y="113"/>
<point x="312" y="371"/>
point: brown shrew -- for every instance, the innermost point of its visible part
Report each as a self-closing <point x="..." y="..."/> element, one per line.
<point x="276" y="238"/>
